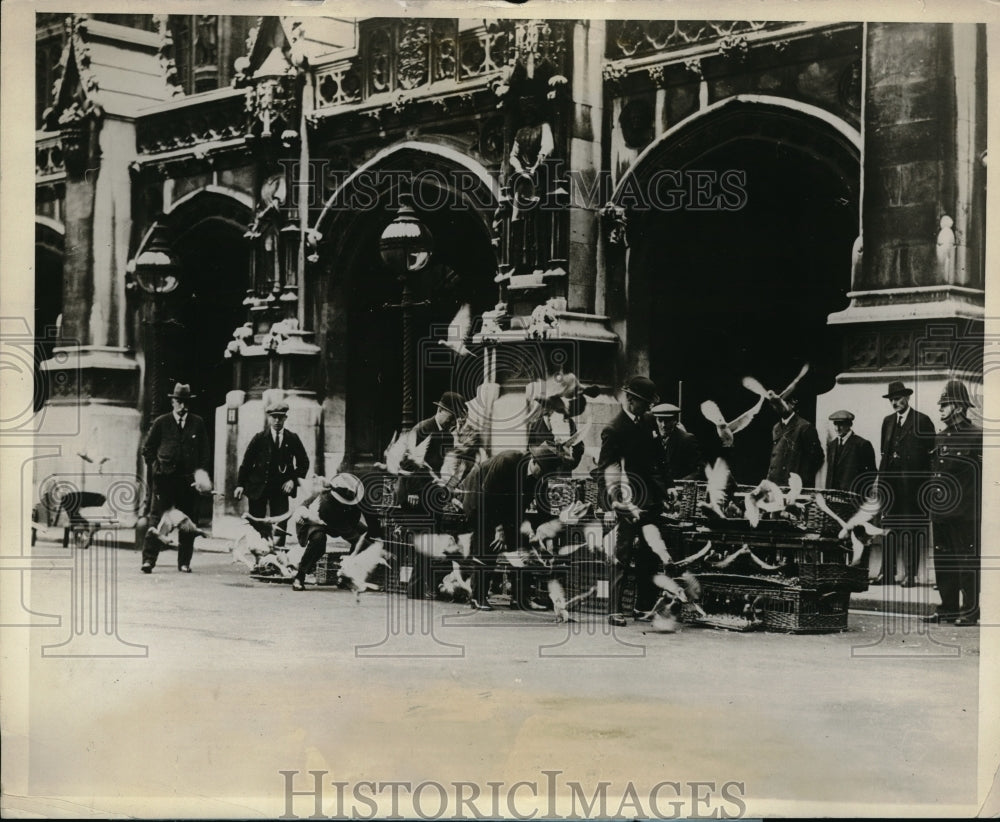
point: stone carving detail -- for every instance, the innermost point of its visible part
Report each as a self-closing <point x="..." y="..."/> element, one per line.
<point x="862" y="352"/>
<point x="633" y="38"/>
<point x="897" y="349"/>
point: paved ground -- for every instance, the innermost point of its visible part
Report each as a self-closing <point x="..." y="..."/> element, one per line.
<point x="235" y="680"/>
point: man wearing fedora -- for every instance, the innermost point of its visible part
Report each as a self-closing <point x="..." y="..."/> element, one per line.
<point x="176" y="448"/>
<point x="273" y="465"/>
<point x="440" y="428"/>
<point x="496" y="495"/>
<point x="631" y="464"/>
<point x="907" y="439"/>
<point x="848" y="456"/>
<point x="334" y="511"/>
<point x="957" y="456"/>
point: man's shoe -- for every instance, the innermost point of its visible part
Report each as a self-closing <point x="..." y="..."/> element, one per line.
<point x="297" y="585"/>
<point x="937" y="618"/>
<point x="876" y="580"/>
<point x="966" y="622"/>
<point x="483" y="606"/>
<point x="617" y="620"/>
<point x="908" y="582"/>
<point x="147" y="568"/>
<point x="184" y="569"/>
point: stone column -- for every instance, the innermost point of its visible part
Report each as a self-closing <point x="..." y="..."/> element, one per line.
<point x="94" y="379"/>
<point x="917" y="299"/>
<point x="586" y="112"/>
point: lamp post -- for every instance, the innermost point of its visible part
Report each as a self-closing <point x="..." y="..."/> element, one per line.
<point x="406" y="246"/>
<point x="155" y="271"/>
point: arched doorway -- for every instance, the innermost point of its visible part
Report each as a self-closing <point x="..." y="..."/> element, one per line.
<point x="48" y="298"/>
<point x="200" y="316"/>
<point x="738" y="284"/>
<point x="362" y="316"/>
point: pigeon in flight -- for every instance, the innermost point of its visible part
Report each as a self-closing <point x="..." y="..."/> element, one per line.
<point x="726" y="430"/>
<point x="777" y="400"/>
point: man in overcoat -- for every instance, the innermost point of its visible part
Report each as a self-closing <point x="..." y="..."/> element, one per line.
<point x="795" y="447"/>
<point x="273" y="465"/>
<point x="957" y="466"/>
<point x="907" y="440"/>
<point x="176" y="447"/>
<point x="848" y="456"/>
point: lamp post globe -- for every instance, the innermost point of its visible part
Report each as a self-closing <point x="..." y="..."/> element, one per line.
<point x="406" y="243"/>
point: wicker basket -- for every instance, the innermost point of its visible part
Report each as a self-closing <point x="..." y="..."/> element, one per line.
<point x="778" y="605"/>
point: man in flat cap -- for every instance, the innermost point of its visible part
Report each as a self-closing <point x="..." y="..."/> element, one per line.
<point x="957" y="465"/>
<point x="178" y="459"/>
<point x="682" y="458"/>
<point x="631" y="466"/>
<point x="848" y="456"/>
<point x="273" y="465"/>
<point x="907" y="439"/>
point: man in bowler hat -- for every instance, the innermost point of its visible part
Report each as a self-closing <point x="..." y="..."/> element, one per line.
<point x="848" y="456"/>
<point x="273" y="464"/>
<point x="907" y="439"/>
<point x="441" y="429"/>
<point x="177" y="458"/>
<point x="957" y="456"/>
<point x="631" y="464"/>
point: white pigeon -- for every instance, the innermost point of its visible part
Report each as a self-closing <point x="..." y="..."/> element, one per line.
<point x="394" y="453"/>
<point x="174" y="522"/>
<point x="455" y="585"/>
<point x="359" y="565"/>
<point x="654" y="540"/>
<point x="560" y="604"/>
<point x="776" y="399"/>
<point x="458" y="331"/>
<point x="860" y="519"/>
<point x="717" y="485"/>
<point x="726" y="430"/>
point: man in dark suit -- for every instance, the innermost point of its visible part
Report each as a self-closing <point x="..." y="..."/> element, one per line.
<point x="907" y="440"/>
<point x="958" y="456"/>
<point x="631" y="464"/>
<point x="496" y="495"/>
<point x="274" y="462"/>
<point x="176" y="449"/>
<point x="848" y="456"/>
<point x="795" y="445"/>
<point x="554" y="425"/>
<point x="682" y="458"/>
<point x="440" y="429"/>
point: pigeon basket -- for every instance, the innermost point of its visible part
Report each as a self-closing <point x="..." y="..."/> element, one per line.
<point x="843" y="503"/>
<point x="775" y="604"/>
<point x="326" y="569"/>
<point x="685" y="504"/>
<point x="562" y="490"/>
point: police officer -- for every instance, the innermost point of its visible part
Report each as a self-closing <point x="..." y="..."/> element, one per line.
<point x="957" y="463"/>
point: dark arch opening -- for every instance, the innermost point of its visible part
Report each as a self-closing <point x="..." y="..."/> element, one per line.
<point x="361" y="316"/>
<point x="48" y="302"/>
<point x="718" y="294"/>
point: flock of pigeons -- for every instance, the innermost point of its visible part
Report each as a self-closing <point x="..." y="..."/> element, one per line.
<point x="678" y="587"/>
